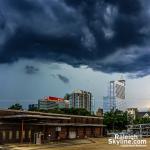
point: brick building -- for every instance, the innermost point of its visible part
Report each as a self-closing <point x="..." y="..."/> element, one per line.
<point x="36" y="127"/>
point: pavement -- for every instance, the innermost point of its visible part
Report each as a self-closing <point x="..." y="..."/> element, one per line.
<point x="80" y="144"/>
<point x="45" y="146"/>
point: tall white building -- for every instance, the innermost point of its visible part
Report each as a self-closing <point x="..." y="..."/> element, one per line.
<point x="81" y="99"/>
<point x="116" y="96"/>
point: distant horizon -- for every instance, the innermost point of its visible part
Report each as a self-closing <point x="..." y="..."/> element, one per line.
<point x="26" y="102"/>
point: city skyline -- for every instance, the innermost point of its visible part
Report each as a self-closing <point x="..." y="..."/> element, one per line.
<point x="51" y="47"/>
<point x="32" y="93"/>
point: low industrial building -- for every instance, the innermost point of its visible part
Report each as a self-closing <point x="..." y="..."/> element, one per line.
<point x="36" y="127"/>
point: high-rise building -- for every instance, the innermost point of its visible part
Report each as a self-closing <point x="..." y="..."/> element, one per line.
<point x="81" y="99"/>
<point x="106" y="104"/>
<point x="117" y="94"/>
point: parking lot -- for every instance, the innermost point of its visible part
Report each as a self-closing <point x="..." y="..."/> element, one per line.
<point x="85" y="144"/>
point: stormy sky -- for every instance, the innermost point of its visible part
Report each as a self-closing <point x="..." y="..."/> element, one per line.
<point x="50" y="47"/>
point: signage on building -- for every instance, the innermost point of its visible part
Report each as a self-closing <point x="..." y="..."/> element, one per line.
<point x="51" y="98"/>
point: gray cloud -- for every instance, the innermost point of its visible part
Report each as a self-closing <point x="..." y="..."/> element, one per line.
<point x="64" y="79"/>
<point x="85" y="32"/>
<point x="31" y="69"/>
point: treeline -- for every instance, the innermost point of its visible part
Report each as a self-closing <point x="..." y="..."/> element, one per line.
<point x="70" y="111"/>
<point x="116" y="120"/>
<point x="139" y="120"/>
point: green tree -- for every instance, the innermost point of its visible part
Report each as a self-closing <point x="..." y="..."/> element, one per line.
<point x="33" y="109"/>
<point x="139" y="120"/>
<point x="136" y="121"/>
<point x="69" y="111"/>
<point x="66" y="97"/>
<point x="16" y="106"/>
<point x="115" y="120"/>
<point x="76" y="111"/>
<point x="144" y="120"/>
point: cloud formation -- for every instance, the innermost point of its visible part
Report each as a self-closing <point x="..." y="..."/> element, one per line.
<point x="106" y="35"/>
<point x="63" y="78"/>
<point x="31" y="69"/>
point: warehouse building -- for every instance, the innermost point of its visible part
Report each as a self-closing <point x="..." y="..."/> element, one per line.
<point x="36" y="127"/>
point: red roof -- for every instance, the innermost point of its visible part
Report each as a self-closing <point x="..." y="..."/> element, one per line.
<point x="51" y="98"/>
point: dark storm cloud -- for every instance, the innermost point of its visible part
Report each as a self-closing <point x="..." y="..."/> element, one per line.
<point x="63" y="78"/>
<point x="85" y="32"/>
<point x="31" y="69"/>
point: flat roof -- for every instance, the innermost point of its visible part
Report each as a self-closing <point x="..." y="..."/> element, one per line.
<point x="56" y="124"/>
<point x="33" y="116"/>
<point x="6" y="112"/>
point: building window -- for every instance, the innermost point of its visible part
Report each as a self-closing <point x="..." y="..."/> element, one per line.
<point x="10" y="135"/>
<point x="4" y="135"/>
<point x="17" y="134"/>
